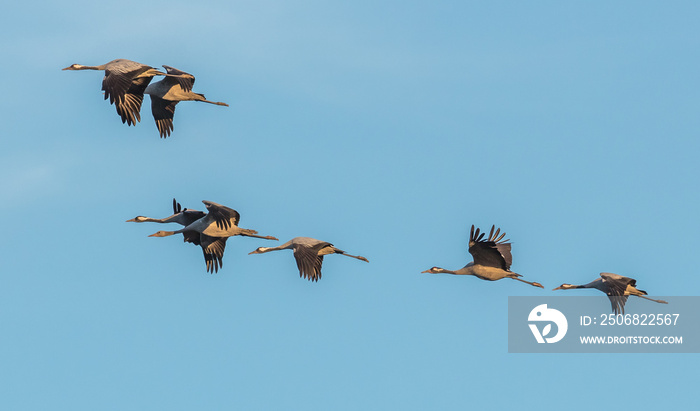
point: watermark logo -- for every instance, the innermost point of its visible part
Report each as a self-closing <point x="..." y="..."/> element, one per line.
<point x="543" y="314"/>
<point x="586" y="324"/>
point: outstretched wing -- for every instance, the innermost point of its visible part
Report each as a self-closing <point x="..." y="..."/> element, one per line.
<point x="616" y="285"/>
<point x="308" y="260"/>
<point x="185" y="80"/>
<point x="190" y="216"/>
<point x="118" y="80"/>
<point x="618" y="303"/>
<point x="176" y="207"/>
<point x="213" y="250"/>
<point x="492" y="251"/>
<point x="163" y="112"/>
<point x="222" y="215"/>
<point x="129" y="108"/>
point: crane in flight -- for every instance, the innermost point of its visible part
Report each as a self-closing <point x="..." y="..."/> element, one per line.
<point x="617" y="287"/>
<point x="492" y="258"/>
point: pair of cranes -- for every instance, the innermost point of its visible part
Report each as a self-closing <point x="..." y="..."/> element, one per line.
<point x="125" y="82"/>
<point x="492" y="260"/>
<point x="211" y="230"/>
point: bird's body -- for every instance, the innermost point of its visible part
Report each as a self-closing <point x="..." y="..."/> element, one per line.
<point x="165" y="95"/>
<point x="308" y="253"/>
<point x="617" y="287"/>
<point x="213" y="229"/>
<point x="124" y="84"/>
<point x="482" y="272"/>
<point x="492" y="258"/>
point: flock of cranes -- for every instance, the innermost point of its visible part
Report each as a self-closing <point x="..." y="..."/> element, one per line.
<point x="492" y="256"/>
<point x="492" y="260"/>
<point x="125" y="82"/>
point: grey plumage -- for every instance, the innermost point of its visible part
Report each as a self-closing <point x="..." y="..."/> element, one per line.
<point x="124" y="84"/>
<point x="492" y="252"/>
<point x="214" y="228"/>
<point x="166" y="93"/>
<point x="492" y="258"/>
<point x="212" y="247"/>
<point x="617" y="287"/>
<point x="308" y="253"/>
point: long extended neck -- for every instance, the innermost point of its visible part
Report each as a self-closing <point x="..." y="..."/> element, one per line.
<point x="574" y="286"/>
<point x="286" y="246"/>
<point x="142" y="219"/>
<point x="439" y="270"/>
<point x="100" y="67"/>
<point x="156" y="220"/>
<point x="175" y="218"/>
<point x="166" y="233"/>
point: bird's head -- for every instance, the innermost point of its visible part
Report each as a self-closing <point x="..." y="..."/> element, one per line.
<point x="564" y="287"/>
<point x="137" y="219"/>
<point x="259" y="250"/>
<point x="434" y="270"/>
<point x="74" y="67"/>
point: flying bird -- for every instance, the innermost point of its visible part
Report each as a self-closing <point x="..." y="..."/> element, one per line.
<point x="124" y="84"/>
<point x="617" y="288"/>
<point x="184" y="217"/>
<point x="308" y="252"/>
<point x="213" y="230"/>
<point x="166" y="93"/>
<point x="212" y="247"/>
<point x="492" y="258"/>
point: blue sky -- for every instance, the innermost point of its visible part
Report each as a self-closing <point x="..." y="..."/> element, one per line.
<point x="386" y="128"/>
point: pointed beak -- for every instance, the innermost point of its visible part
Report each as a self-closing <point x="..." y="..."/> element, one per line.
<point x="558" y="288"/>
<point x="426" y="271"/>
<point x="133" y="220"/>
